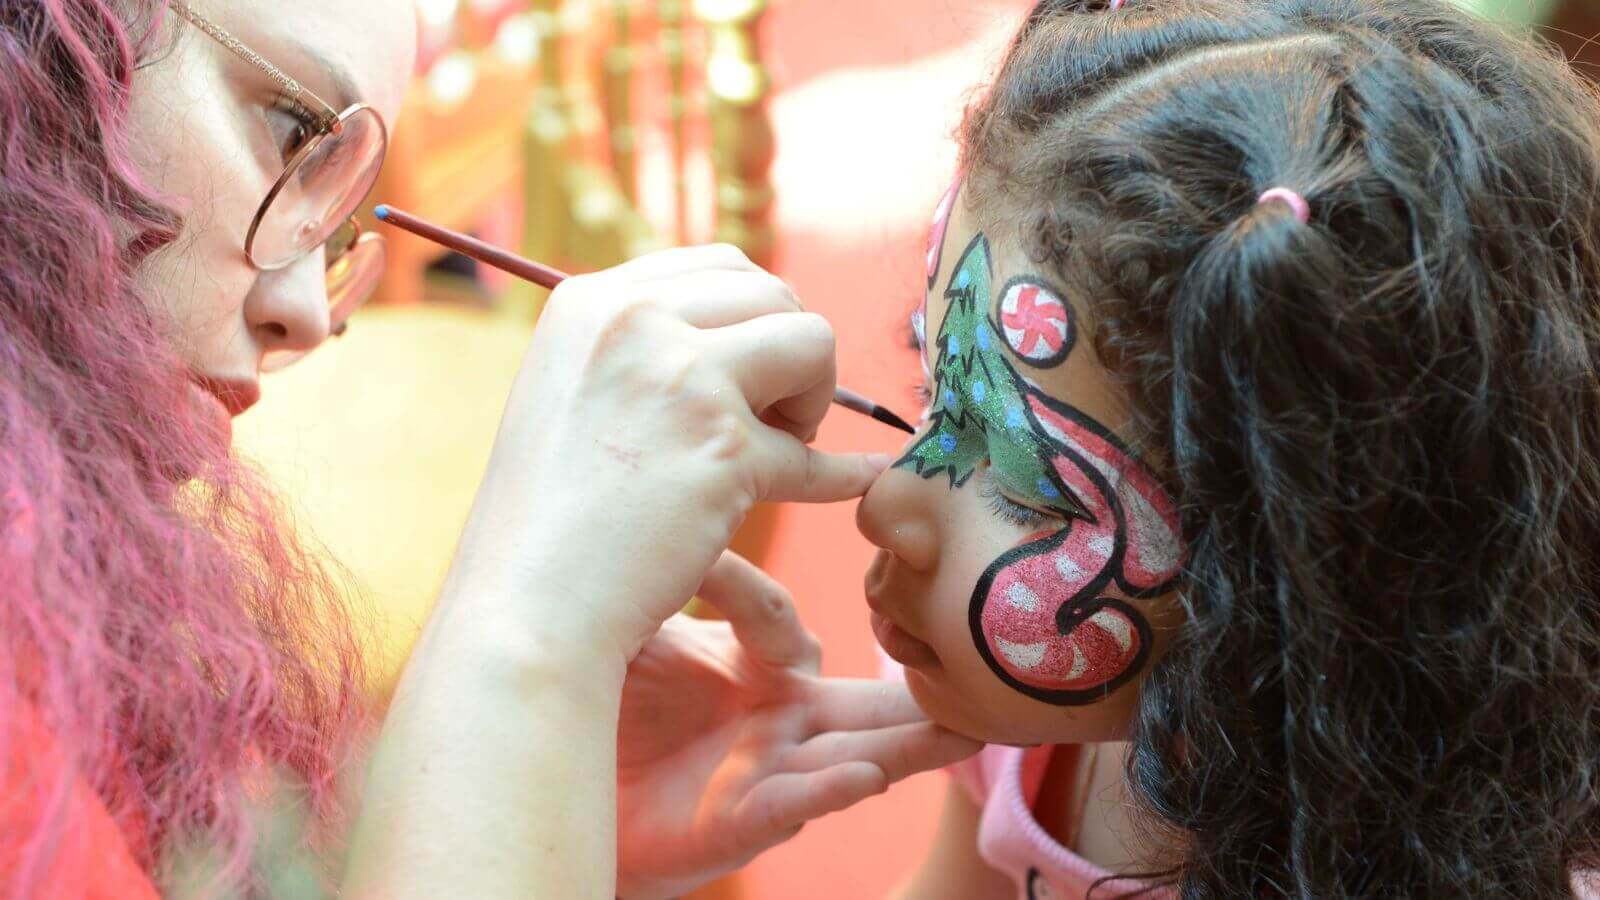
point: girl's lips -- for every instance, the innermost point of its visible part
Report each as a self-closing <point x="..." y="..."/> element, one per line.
<point x="901" y="646"/>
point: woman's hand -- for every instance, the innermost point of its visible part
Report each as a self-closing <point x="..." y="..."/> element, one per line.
<point x="658" y="403"/>
<point x="730" y="741"/>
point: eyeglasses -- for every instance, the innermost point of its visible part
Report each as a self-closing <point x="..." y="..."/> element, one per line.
<point x="313" y="203"/>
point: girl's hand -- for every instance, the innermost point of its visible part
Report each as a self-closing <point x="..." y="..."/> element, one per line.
<point x="730" y="741"/>
<point x="659" y="401"/>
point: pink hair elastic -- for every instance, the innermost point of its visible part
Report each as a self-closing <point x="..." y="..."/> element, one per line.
<point x="1117" y="4"/>
<point x="1302" y="209"/>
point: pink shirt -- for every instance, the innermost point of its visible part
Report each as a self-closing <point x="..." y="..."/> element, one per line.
<point x="1005" y="781"/>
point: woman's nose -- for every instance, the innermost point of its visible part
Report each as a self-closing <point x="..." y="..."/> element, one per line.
<point x="287" y="311"/>
<point x="898" y="514"/>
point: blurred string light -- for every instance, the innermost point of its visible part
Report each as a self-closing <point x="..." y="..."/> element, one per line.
<point x="517" y="41"/>
<point x="438" y="14"/>
<point x="452" y="78"/>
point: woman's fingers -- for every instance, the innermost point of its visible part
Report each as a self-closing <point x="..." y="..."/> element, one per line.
<point x="723" y="298"/>
<point x="779" y="805"/>
<point x="761" y="612"/>
<point x="861" y="704"/>
<point x="899" y="751"/>
<point x="793" y="472"/>
<point x="680" y="260"/>
<point x="785" y="366"/>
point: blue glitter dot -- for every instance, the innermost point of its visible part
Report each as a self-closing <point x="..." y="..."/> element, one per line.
<point x="963" y="278"/>
<point x="983" y="337"/>
<point x="1048" y="490"/>
<point x="947" y="443"/>
<point x="979" y="391"/>
<point x="955" y="346"/>
<point x="1014" y="418"/>
<point x="949" y="397"/>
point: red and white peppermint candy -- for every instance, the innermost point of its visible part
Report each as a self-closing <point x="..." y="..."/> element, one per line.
<point x="1037" y="324"/>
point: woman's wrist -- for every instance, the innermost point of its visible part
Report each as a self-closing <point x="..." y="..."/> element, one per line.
<point x="475" y="763"/>
<point x="524" y="650"/>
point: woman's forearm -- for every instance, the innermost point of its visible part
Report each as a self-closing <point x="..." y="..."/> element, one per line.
<point x="495" y="773"/>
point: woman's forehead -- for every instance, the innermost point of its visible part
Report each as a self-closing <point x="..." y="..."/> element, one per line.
<point x="345" y="52"/>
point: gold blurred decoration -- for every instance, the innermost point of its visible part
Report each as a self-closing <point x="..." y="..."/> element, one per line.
<point x="742" y="137"/>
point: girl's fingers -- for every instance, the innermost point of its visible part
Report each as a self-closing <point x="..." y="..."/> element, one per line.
<point x="792" y="472"/>
<point x="898" y="751"/>
<point x="779" y="805"/>
<point x="861" y="704"/>
<point x="761" y="612"/>
<point x="784" y="363"/>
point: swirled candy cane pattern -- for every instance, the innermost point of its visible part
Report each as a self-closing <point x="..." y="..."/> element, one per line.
<point x="1044" y="615"/>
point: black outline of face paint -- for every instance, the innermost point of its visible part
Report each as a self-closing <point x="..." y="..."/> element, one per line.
<point x="997" y="322"/>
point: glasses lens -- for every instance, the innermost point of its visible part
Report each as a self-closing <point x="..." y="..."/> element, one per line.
<point x="353" y="273"/>
<point x="352" y="278"/>
<point x="322" y="192"/>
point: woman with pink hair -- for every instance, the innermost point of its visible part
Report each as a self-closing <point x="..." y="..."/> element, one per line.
<point x="179" y="687"/>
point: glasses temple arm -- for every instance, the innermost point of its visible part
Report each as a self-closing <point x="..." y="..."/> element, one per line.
<point x="330" y="116"/>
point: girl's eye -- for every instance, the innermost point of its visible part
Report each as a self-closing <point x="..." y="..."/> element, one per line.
<point x="923" y="393"/>
<point x="1013" y="513"/>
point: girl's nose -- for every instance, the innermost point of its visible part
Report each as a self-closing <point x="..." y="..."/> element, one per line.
<point x="897" y="514"/>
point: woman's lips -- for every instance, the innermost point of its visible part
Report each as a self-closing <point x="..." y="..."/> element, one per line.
<point x="901" y="646"/>
<point x="214" y="411"/>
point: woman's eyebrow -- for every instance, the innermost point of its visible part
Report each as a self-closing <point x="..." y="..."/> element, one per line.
<point x="344" y="85"/>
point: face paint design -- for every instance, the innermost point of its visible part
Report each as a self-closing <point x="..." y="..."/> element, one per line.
<point x="1036" y="322"/>
<point x="936" y="233"/>
<point x="1040" y="615"/>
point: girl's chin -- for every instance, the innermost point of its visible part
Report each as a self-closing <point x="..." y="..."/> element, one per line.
<point x="951" y="711"/>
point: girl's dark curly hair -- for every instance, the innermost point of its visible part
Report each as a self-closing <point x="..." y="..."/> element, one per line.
<point x="1383" y="426"/>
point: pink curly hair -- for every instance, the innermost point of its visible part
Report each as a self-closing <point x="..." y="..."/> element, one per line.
<point x="176" y="643"/>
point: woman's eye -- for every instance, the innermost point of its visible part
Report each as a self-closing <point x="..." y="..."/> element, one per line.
<point x="1013" y="513"/>
<point x="291" y="129"/>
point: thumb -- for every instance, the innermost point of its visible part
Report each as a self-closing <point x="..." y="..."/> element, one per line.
<point x="797" y="473"/>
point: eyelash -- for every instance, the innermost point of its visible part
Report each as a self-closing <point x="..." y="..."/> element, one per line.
<point x="1009" y="511"/>
<point x="303" y="117"/>
<point x="923" y="393"/>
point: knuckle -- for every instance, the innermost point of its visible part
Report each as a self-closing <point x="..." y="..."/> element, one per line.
<point x="773" y="602"/>
<point x="812" y="645"/>
<point x="728" y="253"/>
<point x="722" y="435"/>
<point x="818" y="333"/>
<point x="784" y="292"/>
<point x="810" y="472"/>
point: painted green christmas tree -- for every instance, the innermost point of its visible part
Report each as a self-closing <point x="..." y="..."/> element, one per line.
<point x="979" y="412"/>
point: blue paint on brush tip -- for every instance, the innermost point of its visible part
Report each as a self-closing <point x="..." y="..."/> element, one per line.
<point x="381" y="211"/>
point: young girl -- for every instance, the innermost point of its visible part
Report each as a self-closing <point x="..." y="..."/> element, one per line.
<point x="1261" y="340"/>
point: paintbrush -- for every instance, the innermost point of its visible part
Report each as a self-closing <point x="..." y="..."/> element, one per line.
<point x="548" y="278"/>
